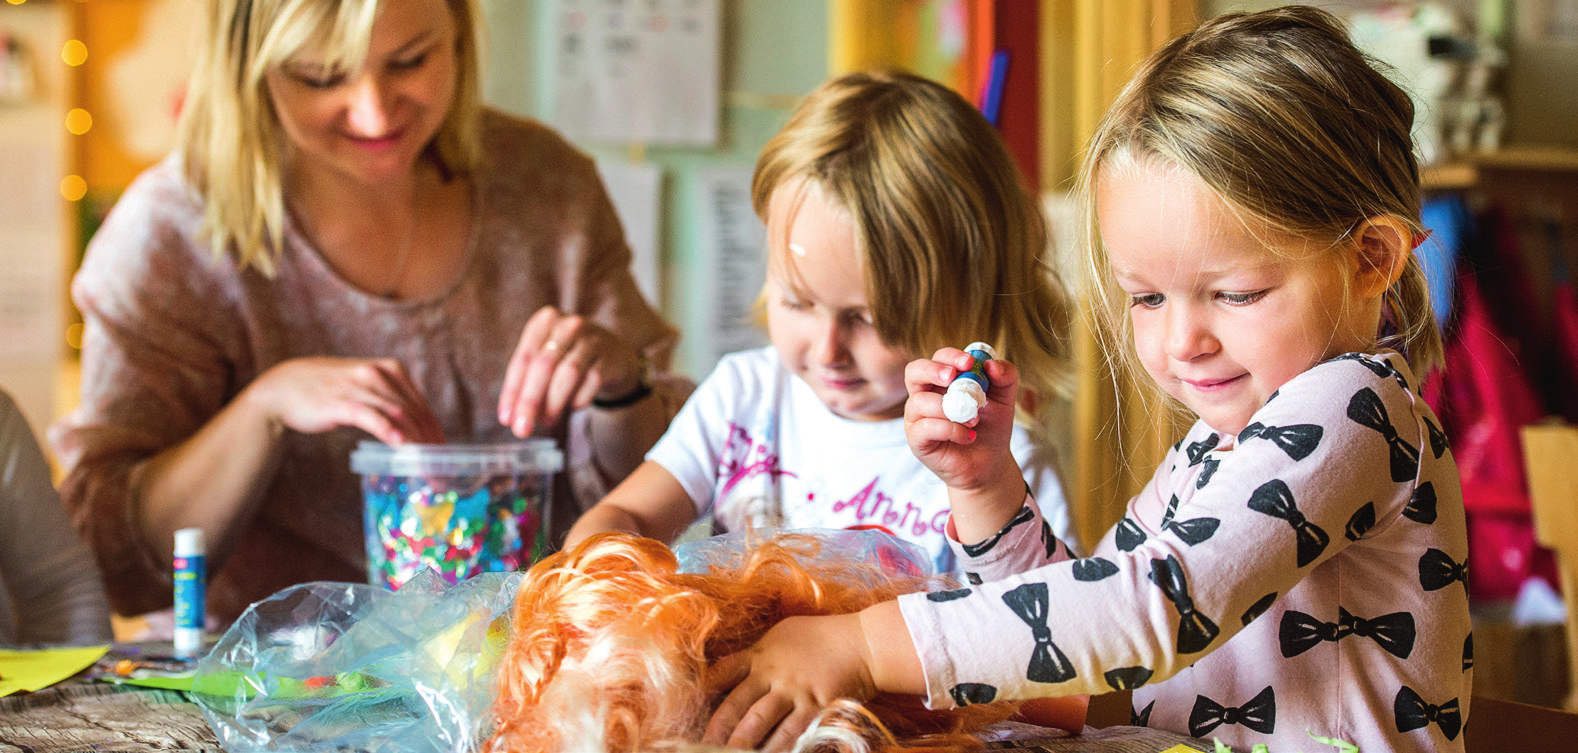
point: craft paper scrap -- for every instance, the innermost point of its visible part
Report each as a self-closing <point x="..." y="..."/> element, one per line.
<point x="37" y="669"/>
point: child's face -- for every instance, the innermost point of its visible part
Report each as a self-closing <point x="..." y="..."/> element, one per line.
<point x="1221" y="319"/>
<point x="817" y="314"/>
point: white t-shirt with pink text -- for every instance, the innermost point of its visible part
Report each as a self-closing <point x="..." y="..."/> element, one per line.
<point x="756" y="448"/>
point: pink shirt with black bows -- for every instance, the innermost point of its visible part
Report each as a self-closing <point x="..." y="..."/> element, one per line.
<point x="1304" y="577"/>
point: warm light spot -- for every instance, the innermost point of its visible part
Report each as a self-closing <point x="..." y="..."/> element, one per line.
<point x="74" y="52"/>
<point x="73" y="187"/>
<point x="78" y="121"/>
<point x="74" y="336"/>
<point x="16" y="2"/>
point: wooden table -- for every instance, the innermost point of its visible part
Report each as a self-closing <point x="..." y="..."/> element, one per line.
<point x="85" y="715"/>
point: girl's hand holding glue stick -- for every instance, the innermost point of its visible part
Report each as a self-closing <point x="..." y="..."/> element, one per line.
<point x="985" y="486"/>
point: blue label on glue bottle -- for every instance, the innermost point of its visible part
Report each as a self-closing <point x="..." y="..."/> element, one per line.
<point x="191" y="578"/>
<point x="982" y="353"/>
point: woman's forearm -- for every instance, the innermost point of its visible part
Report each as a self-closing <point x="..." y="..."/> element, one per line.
<point x="213" y="480"/>
<point x="621" y="437"/>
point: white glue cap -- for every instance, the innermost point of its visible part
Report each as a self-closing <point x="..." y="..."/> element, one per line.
<point x="189" y="542"/>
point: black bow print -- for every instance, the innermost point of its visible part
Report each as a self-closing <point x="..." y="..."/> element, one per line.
<point x="1259" y="608"/>
<point x="1172" y="509"/>
<point x="1383" y="368"/>
<point x="1048" y="540"/>
<point x="1194" y="531"/>
<point x="971" y="693"/>
<point x="973" y="579"/>
<point x="1413" y="713"/>
<point x="1422" y="504"/>
<point x="1047" y="662"/>
<point x="1366" y="410"/>
<point x="1195" y="630"/>
<point x="1260" y="714"/>
<point x="1438" y="438"/>
<point x="1207" y="469"/>
<point x="1198" y="450"/>
<point x="1468" y="652"/>
<point x="1437" y="570"/>
<point x="1393" y="632"/>
<point x="1093" y="569"/>
<point x="1361" y="522"/>
<point x="1297" y="441"/>
<point x="1127" y="678"/>
<point x="1143" y="717"/>
<point x="1129" y="535"/>
<point x="941" y="596"/>
<point x="1025" y="515"/>
<point x="1274" y="498"/>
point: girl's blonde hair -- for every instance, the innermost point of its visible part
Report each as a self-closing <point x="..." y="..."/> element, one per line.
<point x="231" y="141"/>
<point x="951" y="243"/>
<point x="1293" y="127"/>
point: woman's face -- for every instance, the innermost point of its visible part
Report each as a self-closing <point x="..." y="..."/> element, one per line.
<point x="370" y="125"/>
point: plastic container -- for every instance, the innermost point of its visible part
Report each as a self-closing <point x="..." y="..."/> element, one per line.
<point x="456" y="508"/>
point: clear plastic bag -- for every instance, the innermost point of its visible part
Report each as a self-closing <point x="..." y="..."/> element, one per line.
<point x="330" y="667"/>
<point x="895" y="557"/>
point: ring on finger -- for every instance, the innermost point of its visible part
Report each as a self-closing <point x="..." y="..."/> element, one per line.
<point x="551" y="346"/>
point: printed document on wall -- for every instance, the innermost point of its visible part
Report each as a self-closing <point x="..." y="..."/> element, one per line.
<point x="637" y="71"/>
<point x="732" y="263"/>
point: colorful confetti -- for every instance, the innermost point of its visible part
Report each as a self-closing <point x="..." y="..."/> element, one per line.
<point x="457" y="526"/>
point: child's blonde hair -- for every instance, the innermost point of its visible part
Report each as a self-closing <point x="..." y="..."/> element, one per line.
<point x="951" y="242"/>
<point x="231" y="142"/>
<point x="1293" y="127"/>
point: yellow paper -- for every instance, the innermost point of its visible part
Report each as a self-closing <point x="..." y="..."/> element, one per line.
<point x="1180" y="748"/>
<point x="41" y="668"/>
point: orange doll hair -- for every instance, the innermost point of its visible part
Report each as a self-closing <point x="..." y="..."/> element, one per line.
<point x="610" y="646"/>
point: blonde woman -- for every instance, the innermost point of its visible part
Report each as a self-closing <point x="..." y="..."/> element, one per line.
<point x="344" y="245"/>
<point x="897" y="224"/>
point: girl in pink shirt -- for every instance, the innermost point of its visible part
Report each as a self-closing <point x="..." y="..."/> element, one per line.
<point x="1296" y="565"/>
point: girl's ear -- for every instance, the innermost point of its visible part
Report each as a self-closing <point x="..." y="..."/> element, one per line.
<point x="1382" y="245"/>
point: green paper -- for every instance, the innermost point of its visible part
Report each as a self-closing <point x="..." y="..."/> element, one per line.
<point x="40" y="668"/>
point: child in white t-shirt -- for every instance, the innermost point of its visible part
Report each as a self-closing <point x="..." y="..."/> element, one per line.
<point x="897" y="224"/>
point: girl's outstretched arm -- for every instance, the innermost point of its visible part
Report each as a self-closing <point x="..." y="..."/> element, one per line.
<point x="986" y="487"/>
<point x="777" y="687"/>
<point x="650" y="503"/>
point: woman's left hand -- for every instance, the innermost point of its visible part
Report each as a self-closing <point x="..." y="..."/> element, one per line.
<point x="561" y="362"/>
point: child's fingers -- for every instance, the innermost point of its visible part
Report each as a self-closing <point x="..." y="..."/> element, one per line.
<point x="928" y="432"/>
<point x="726" y="673"/>
<point x="1004" y="378"/>
<point x="924" y="374"/>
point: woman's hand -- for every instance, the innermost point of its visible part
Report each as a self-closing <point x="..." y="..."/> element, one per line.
<point x="314" y="395"/>
<point x="985" y="485"/>
<point x="562" y="362"/>
<point x="782" y="683"/>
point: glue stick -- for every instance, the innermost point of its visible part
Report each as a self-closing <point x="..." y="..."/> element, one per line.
<point x="967" y="393"/>
<point x="191" y="571"/>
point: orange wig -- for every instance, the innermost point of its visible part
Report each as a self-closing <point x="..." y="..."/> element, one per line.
<point x="611" y="645"/>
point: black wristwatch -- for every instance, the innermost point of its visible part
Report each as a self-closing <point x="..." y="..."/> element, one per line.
<point x="642" y="390"/>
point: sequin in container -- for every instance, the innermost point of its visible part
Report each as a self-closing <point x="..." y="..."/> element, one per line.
<point x="460" y="509"/>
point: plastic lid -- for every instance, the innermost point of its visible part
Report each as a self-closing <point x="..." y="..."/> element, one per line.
<point x="524" y="456"/>
<point x="189" y="542"/>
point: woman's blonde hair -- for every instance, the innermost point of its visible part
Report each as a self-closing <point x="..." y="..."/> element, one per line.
<point x="952" y="244"/>
<point x="1291" y="126"/>
<point x="231" y="141"/>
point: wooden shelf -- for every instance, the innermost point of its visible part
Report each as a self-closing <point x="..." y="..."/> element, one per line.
<point x="1466" y="172"/>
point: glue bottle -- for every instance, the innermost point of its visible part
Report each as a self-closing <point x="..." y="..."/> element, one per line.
<point x="191" y="576"/>
<point x="967" y="392"/>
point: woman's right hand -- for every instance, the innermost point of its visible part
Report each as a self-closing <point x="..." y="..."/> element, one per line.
<point x="314" y="395"/>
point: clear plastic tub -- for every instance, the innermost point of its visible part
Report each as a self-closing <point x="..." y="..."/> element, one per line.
<point x="460" y="509"/>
